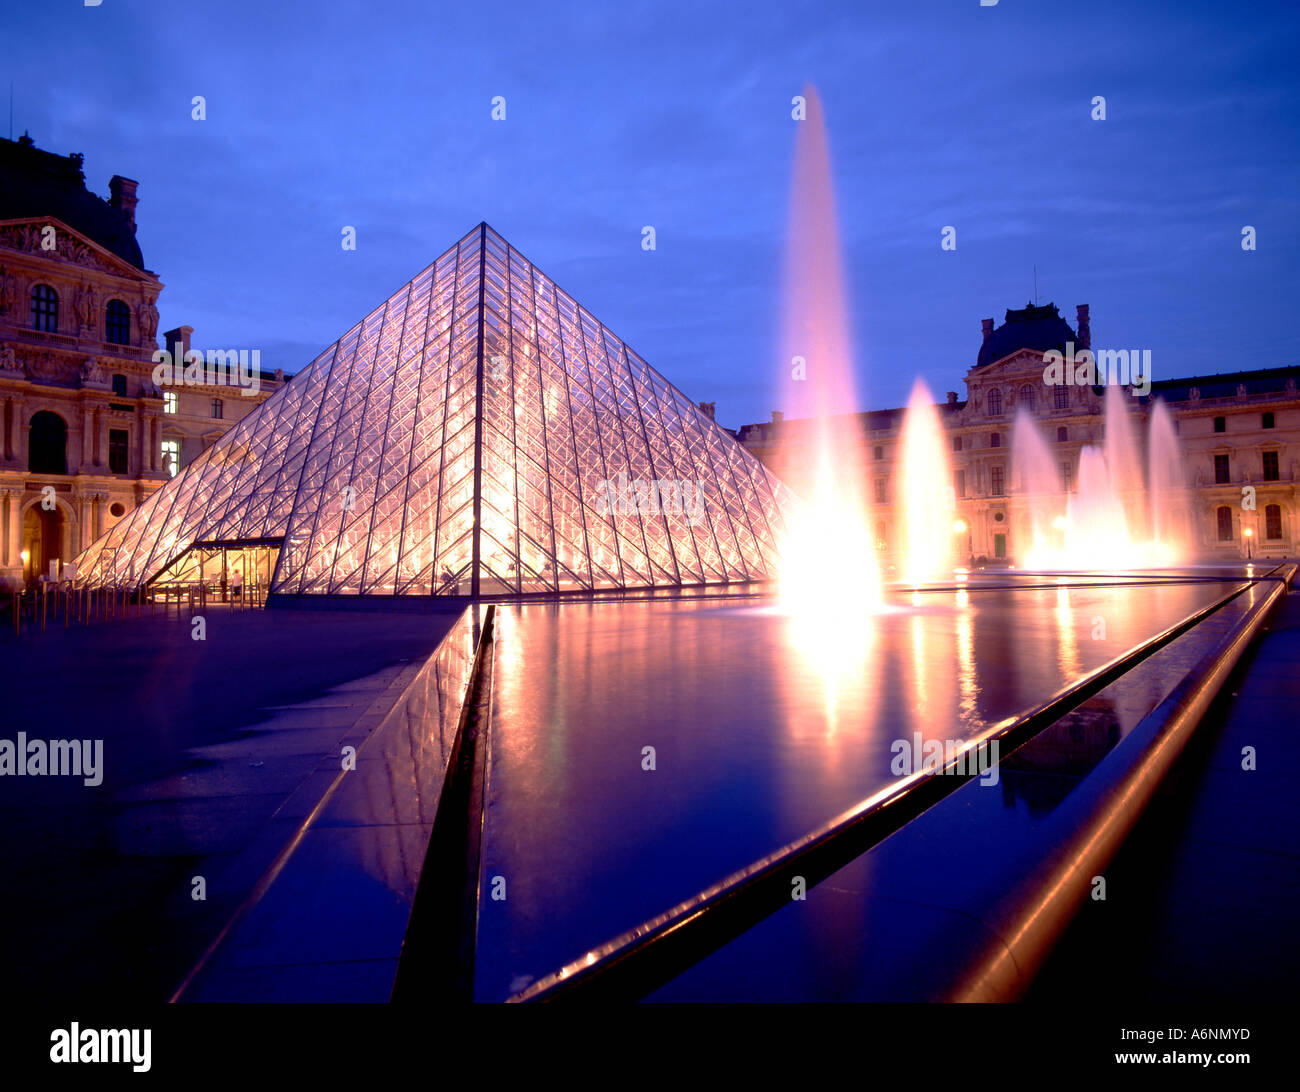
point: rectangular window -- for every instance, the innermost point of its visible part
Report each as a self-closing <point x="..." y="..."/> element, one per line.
<point x="1270" y="466"/>
<point x="170" y="402"/>
<point x="1060" y="397"/>
<point x="218" y="410"/>
<point x="1225" y="524"/>
<point x="999" y="545"/>
<point x="1221" y="475"/>
<point x="995" y="482"/>
<point x="880" y="490"/>
<point x="1268" y="420"/>
<point x="171" y="457"/>
<point x="1220" y="424"/>
<point x="1067" y="477"/>
<point x="956" y="443"/>
<point x="1273" y="521"/>
<point x="118" y="438"/>
<point x="961" y="484"/>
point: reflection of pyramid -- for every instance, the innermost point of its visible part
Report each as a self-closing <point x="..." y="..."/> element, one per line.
<point x="480" y="395"/>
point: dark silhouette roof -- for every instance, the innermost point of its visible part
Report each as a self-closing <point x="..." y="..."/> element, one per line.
<point x="1037" y="328"/>
<point x="1224" y="385"/>
<point x="35" y="183"/>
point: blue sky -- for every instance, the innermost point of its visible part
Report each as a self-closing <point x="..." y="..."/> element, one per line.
<point x="677" y="115"/>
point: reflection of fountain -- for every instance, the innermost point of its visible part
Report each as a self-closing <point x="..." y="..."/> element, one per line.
<point x="827" y="556"/>
<point x="923" y="494"/>
<point x="1116" y="517"/>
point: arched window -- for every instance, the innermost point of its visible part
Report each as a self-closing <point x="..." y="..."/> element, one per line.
<point x="995" y="440"/>
<point x="995" y="402"/>
<point x="119" y="385"/>
<point x="117" y="323"/>
<point x="45" y="309"/>
<point x="1027" y="396"/>
<point x="1062" y="435"/>
<point x="1224" y="515"/>
<point x="47" y="444"/>
<point x="1272" y="521"/>
<point x="1060" y="396"/>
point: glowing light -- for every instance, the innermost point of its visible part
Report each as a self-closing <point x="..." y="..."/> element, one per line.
<point x="925" y="495"/>
<point x="1249" y="532"/>
<point x="26" y="555"/>
<point x="959" y="527"/>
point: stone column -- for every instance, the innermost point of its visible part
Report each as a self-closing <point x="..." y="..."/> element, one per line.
<point x="101" y="437"/>
<point x="97" y="524"/>
<point x="153" y="443"/>
<point x="87" y="436"/>
<point x="8" y="426"/>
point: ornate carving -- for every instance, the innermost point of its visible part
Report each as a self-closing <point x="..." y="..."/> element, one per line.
<point x="8" y="359"/>
<point x="28" y="237"/>
<point x="91" y="373"/>
<point x="7" y="290"/>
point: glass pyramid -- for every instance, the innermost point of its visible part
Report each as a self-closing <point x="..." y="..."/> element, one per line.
<point x="479" y="433"/>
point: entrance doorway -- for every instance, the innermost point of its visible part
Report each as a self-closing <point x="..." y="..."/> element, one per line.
<point x="42" y="541"/>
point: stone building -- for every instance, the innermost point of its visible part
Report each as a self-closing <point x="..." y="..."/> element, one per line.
<point x="1235" y="430"/>
<point x="85" y="434"/>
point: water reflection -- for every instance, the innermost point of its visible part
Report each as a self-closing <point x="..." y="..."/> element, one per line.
<point x="764" y="725"/>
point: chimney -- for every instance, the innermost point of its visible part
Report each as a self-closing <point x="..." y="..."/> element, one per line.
<point x="777" y="417"/>
<point x="709" y="409"/>
<point x="1085" y="333"/>
<point x="121" y="195"/>
<point x="177" y="342"/>
<point x="988" y="328"/>
<point x="952" y="398"/>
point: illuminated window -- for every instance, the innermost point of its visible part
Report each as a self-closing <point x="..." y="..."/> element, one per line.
<point x="170" y="402"/>
<point x="995" y="402"/>
<point x="171" y="457"/>
<point x="45" y="309"/>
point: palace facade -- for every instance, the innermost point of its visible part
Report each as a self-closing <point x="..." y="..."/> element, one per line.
<point x="1235" y="430"/>
<point x="85" y="435"/>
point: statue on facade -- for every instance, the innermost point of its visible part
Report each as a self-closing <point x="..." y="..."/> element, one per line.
<point x="148" y="320"/>
<point x="6" y="291"/>
<point x="85" y="306"/>
<point x="8" y="359"/>
<point x="92" y="373"/>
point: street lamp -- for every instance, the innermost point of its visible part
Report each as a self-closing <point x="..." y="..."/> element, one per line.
<point x="1249" y="533"/>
